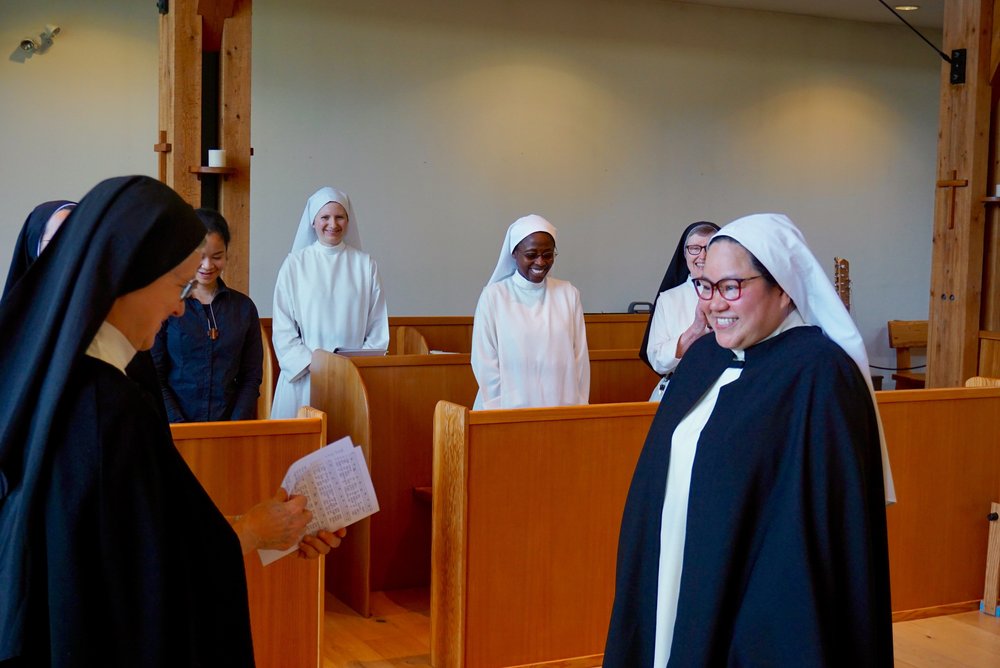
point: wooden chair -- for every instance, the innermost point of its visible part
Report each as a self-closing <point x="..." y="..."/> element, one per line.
<point x="982" y="381"/>
<point x="904" y="335"/>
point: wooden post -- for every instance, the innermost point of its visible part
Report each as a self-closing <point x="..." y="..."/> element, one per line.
<point x="180" y="96"/>
<point x="234" y="134"/>
<point x="963" y="151"/>
<point x="992" y="564"/>
<point x="189" y="28"/>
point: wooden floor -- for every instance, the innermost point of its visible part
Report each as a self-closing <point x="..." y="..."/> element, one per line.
<point x="398" y="634"/>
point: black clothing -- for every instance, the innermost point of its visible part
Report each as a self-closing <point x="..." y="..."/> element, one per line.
<point x="74" y="438"/>
<point x="785" y="555"/>
<point x="137" y="566"/>
<point x="26" y="246"/>
<point x="677" y="273"/>
<point x="208" y="379"/>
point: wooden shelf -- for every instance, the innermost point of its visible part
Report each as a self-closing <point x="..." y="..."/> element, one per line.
<point x="990" y="200"/>
<point x="217" y="171"/>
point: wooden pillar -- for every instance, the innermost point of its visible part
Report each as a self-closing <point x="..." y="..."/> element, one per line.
<point x="234" y="135"/>
<point x="959" y="210"/>
<point x="189" y="28"/>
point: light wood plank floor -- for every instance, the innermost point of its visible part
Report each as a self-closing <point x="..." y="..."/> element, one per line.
<point x="398" y="634"/>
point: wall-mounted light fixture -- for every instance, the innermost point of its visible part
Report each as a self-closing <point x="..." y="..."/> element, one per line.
<point x="957" y="58"/>
<point x="29" y="46"/>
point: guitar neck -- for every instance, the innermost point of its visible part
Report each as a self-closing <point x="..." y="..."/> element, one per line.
<point x="842" y="280"/>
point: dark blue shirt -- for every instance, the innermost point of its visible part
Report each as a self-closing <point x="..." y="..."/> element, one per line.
<point x="205" y="379"/>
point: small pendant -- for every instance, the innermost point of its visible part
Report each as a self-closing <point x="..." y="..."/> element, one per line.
<point x="213" y="333"/>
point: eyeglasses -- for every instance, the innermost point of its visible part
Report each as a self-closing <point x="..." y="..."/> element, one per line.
<point x="531" y="255"/>
<point x="729" y="289"/>
<point x="188" y="287"/>
<point x="695" y="250"/>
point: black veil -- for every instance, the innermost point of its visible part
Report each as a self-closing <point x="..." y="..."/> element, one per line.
<point x="26" y="247"/>
<point x="677" y="273"/>
<point x="125" y="233"/>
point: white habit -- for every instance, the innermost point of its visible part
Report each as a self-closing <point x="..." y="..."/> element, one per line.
<point x="326" y="297"/>
<point x="673" y="315"/>
<point x="529" y="343"/>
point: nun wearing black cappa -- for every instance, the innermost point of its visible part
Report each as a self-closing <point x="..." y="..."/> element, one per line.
<point x="754" y="531"/>
<point x="111" y="553"/>
<point x="34" y="236"/>
<point x="675" y="322"/>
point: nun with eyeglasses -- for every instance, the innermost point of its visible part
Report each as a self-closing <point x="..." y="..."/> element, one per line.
<point x="111" y="552"/>
<point x="754" y="532"/>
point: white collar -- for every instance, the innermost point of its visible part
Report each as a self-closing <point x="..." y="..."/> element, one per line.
<point x="329" y="250"/>
<point x="521" y="282"/>
<point x="111" y="346"/>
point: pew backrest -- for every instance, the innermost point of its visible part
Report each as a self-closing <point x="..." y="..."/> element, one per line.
<point x="240" y="464"/>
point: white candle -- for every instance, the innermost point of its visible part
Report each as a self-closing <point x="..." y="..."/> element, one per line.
<point x="216" y="157"/>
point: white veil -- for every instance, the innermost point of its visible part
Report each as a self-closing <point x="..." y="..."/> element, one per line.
<point x="306" y="235"/>
<point x="518" y="230"/>
<point x="774" y="240"/>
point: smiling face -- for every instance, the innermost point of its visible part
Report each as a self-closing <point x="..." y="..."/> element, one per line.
<point x="331" y="223"/>
<point x="535" y="254"/>
<point x="696" y="263"/>
<point x="213" y="260"/>
<point x="760" y="308"/>
<point x="140" y="313"/>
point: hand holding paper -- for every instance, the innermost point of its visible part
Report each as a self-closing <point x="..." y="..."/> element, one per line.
<point x="339" y="490"/>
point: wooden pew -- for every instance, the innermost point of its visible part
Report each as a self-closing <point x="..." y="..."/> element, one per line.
<point x="409" y="341"/>
<point x="386" y="404"/>
<point x="605" y="331"/>
<point x="421" y="334"/>
<point x="269" y="375"/>
<point x="618" y="376"/>
<point x="609" y="331"/>
<point x="448" y="333"/>
<point x="527" y="506"/>
<point x="240" y="464"/>
<point x="944" y="447"/>
<point x="523" y="562"/>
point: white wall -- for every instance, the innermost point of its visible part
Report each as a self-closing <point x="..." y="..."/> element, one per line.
<point x="620" y="121"/>
<point x="83" y="111"/>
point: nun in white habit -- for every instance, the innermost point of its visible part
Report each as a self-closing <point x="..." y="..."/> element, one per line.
<point x="328" y="296"/>
<point x="529" y="344"/>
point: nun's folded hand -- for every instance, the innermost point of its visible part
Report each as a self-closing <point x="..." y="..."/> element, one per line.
<point x="313" y="546"/>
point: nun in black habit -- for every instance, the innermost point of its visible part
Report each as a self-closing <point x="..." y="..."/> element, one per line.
<point x="754" y="530"/>
<point x="111" y="553"/>
<point x="675" y="322"/>
<point x="30" y="243"/>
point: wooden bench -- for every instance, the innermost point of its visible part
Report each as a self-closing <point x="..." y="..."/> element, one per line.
<point x="240" y="464"/>
<point x="605" y="331"/>
<point x="527" y="507"/>
<point x="386" y="404"/>
<point x="415" y="335"/>
<point x="905" y="335"/>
